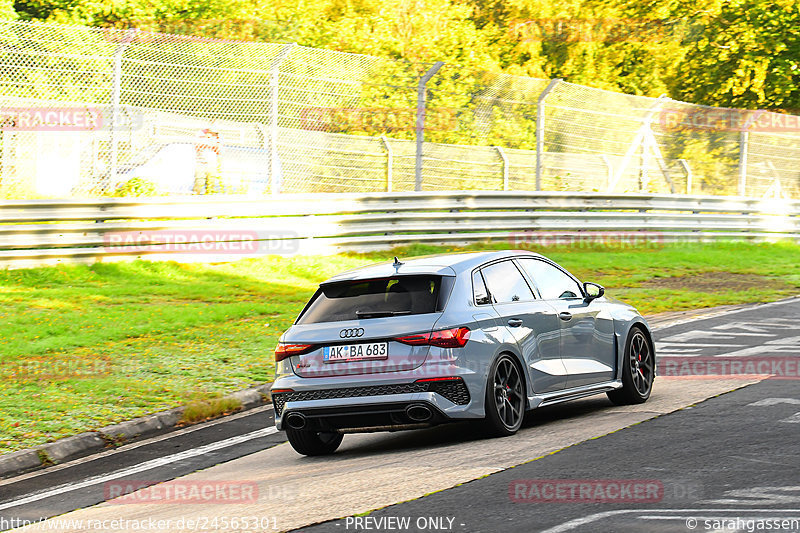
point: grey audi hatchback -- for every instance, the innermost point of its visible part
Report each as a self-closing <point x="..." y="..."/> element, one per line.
<point x="482" y="336"/>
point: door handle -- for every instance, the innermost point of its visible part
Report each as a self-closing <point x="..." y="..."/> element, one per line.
<point x="515" y="322"/>
<point x="563" y="315"/>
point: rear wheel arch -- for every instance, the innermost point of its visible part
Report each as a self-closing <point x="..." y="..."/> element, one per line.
<point x="521" y="366"/>
<point x="505" y="350"/>
<point x="506" y="403"/>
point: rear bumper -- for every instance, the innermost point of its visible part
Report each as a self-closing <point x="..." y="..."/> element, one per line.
<point x="386" y="416"/>
<point x="360" y="405"/>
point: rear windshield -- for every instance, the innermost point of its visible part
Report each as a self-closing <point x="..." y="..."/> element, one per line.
<point x="375" y="298"/>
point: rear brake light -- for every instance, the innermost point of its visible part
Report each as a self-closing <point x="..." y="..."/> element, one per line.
<point x="283" y="351"/>
<point x="415" y="340"/>
<point x="444" y="338"/>
<point x="449" y="378"/>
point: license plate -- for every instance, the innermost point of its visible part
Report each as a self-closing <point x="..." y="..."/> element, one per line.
<point x="355" y="352"/>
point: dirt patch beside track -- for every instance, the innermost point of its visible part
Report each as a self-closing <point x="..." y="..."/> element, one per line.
<point x="717" y="282"/>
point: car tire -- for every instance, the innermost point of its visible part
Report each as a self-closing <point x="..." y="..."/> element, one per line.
<point x="313" y="443"/>
<point x="638" y="370"/>
<point x="505" y="398"/>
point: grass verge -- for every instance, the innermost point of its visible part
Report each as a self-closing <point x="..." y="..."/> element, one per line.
<point x="200" y="410"/>
<point x="87" y="346"/>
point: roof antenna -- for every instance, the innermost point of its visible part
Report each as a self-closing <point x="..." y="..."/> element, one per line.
<point x="397" y="262"/>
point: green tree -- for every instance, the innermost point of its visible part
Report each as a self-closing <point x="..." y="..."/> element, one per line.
<point x="747" y="56"/>
<point x="7" y="10"/>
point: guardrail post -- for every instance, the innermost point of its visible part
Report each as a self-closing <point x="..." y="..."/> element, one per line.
<point x="422" y="94"/>
<point x="116" y="92"/>
<point x="389" y="162"/>
<point x="504" y="159"/>
<point x="540" y="129"/>
<point x="274" y="166"/>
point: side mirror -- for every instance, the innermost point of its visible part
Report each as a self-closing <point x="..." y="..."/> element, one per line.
<point x="593" y="290"/>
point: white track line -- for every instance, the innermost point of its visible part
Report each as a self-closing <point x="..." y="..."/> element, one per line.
<point x="793" y="299"/>
<point x="136" y="444"/>
<point x="148" y="465"/>
<point x="695" y="514"/>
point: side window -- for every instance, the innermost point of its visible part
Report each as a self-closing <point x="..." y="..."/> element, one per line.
<point x="505" y="283"/>
<point x="552" y="282"/>
<point x="479" y="289"/>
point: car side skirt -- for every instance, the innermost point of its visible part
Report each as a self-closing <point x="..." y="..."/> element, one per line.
<point x="552" y="398"/>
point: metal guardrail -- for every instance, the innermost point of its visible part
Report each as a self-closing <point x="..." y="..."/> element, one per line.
<point x="209" y="229"/>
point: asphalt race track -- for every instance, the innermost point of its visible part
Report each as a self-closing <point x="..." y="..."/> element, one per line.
<point x="715" y="449"/>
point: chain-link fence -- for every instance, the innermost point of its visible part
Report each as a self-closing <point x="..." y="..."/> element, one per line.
<point x="91" y="112"/>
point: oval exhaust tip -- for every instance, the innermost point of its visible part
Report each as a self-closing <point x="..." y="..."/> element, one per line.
<point x="419" y="413"/>
<point x="295" y="420"/>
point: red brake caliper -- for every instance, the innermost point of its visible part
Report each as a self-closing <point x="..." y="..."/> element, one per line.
<point x="639" y="356"/>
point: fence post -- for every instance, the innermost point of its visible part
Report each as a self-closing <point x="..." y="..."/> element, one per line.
<point x="744" y="142"/>
<point x="116" y="95"/>
<point x="744" y="137"/>
<point x="644" y="162"/>
<point x="688" y="170"/>
<point x="643" y="135"/>
<point x="540" y="129"/>
<point x="262" y="131"/>
<point x="422" y="93"/>
<point x="609" y="169"/>
<point x="274" y="165"/>
<point x="503" y="157"/>
<point x="389" y="162"/>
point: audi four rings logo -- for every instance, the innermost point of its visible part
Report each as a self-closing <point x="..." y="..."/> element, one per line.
<point x="350" y="333"/>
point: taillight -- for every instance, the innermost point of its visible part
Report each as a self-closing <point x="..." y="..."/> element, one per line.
<point x="282" y="351"/>
<point x="450" y="338"/>
<point x="444" y="338"/>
